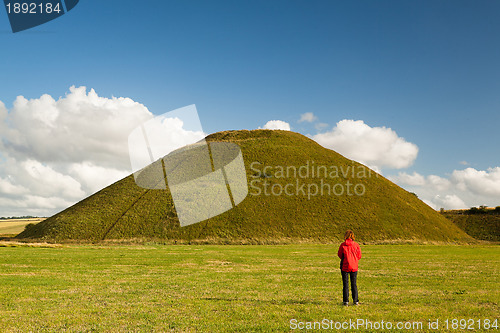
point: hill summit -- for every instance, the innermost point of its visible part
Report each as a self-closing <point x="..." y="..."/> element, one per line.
<point x="297" y="190"/>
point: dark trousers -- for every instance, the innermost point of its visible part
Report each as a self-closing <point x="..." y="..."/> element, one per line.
<point x="354" y="286"/>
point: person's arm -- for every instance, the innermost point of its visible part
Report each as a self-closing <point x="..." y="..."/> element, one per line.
<point x="340" y="253"/>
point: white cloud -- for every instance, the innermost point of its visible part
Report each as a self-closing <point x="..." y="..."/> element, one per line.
<point x="462" y="189"/>
<point x="414" y="179"/>
<point x="438" y="183"/>
<point x="320" y="126"/>
<point x="31" y="205"/>
<point x="277" y="125"/>
<point x="448" y="201"/>
<point x="307" y="117"/>
<point x="48" y="181"/>
<point x="91" y="177"/>
<point x="55" y="152"/>
<point x="478" y="181"/>
<point x="3" y="112"/>
<point x="380" y="147"/>
<point x="6" y="187"/>
<point x="76" y="128"/>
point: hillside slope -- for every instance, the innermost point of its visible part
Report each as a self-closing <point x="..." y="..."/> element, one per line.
<point x="384" y="211"/>
<point x="480" y="226"/>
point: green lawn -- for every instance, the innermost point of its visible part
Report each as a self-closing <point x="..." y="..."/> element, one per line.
<point x="213" y="288"/>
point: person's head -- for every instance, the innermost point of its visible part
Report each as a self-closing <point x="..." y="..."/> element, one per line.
<point x="349" y="235"/>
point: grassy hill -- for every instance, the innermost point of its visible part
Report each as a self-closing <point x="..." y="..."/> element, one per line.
<point x="480" y="224"/>
<point x="384" y="211"/>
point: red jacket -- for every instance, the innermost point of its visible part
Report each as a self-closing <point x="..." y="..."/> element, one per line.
<point x="350" y="253"/>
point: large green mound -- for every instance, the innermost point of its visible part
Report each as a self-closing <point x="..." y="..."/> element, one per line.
<point x="375" y="208"/>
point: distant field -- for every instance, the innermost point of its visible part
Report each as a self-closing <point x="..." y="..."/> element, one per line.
<point x="13" y="227"/>
<point x="211" y="288"/>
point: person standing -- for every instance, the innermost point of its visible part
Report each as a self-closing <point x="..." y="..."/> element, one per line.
<point x="349" y="254"/>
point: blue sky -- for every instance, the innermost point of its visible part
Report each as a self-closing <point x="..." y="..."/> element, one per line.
<point x="429" y="70"/>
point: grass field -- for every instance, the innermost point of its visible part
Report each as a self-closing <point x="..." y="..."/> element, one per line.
<point x="13" y="227"/>
<point x="211" y="288"/>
